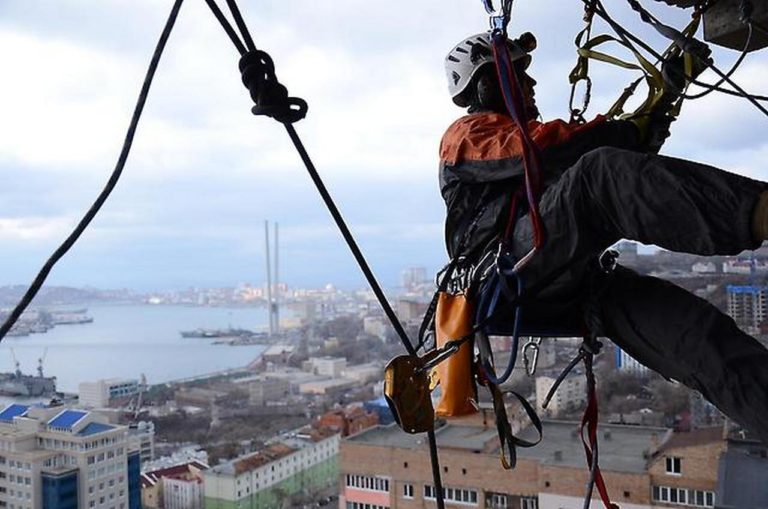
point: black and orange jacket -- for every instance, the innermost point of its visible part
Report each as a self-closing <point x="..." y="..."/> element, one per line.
<point x="481" y="161"/>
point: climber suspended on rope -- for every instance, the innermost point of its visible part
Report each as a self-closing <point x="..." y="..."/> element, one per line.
<point x="601" y="181"/>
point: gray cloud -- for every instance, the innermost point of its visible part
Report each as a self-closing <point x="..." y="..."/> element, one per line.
<point x="205" y="173"/>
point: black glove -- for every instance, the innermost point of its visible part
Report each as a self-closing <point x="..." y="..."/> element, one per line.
<point x="657" y="131"/>
<point x="673" y="68"/>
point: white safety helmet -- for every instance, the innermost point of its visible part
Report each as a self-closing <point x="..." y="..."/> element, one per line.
<point x="471" y="54"/>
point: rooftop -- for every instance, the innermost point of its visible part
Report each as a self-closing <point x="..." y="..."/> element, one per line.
<point x="151" y="478"/>
<point x="287" y="445"/>
<point x="622" y="448"/>
<point x="693" y="438"/>
<point x="67" y="419"/>
<point x="93" y="428"/>
<point x="11" y="411"/>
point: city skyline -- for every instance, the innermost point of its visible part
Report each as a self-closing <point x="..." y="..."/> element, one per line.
<point x="205" y="174"/>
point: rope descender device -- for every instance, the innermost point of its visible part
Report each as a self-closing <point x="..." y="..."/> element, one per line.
<point x="408" y="385"/>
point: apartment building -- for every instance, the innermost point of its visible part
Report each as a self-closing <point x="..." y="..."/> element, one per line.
<point x="102" y="393"/>
<point x="684" y="469"/>
<point x="175" y="487"/>
<point x="628" y="364"/>
<point x="299" y="462"/>
<point x="571" y="394"/>
<point x="141" y="438"/>
<point x="181" y="492"/>
<point x="60" y="458"/>
<point x="385" y="468"/>
<point x="748" y="305"/>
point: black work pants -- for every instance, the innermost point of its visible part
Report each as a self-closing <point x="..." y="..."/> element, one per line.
<point x="613" y="194"/>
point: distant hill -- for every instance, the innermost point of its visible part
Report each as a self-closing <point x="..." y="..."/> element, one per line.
<point x="56" y="295"/>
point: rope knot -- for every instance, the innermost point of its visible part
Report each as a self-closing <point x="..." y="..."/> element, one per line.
<point x="271" y="97"/>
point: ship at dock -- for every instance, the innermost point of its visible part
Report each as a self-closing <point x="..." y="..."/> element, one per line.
<point x="20" y="384"/>
<point x="229" y="332"/>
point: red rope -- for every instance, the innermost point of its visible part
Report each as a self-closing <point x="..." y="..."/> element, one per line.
<point x="531" y="156"/>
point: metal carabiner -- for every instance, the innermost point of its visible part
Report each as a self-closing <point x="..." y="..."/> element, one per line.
<point x="530" y="365"/>
<point x="499" y="19"/>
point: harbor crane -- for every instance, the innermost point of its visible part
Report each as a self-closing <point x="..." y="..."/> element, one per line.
<point x="40" y="363"/>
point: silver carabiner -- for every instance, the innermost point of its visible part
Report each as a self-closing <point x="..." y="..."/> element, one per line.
<point x="530" y="365"/>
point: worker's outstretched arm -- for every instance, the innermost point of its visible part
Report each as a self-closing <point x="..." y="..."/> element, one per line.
<point x="654" y="118"/>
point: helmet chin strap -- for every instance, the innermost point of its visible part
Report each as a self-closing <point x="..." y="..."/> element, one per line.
<point x="487" y="94"/>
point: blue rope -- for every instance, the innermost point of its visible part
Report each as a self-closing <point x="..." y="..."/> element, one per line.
<point x="495" y="293"/>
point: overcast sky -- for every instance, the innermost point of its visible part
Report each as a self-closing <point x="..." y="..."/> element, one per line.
<point x="204" y="173"/>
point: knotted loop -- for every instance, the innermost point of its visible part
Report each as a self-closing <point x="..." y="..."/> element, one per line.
<point x="271" y="97"/>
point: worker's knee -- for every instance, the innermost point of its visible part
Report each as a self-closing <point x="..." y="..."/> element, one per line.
<point x="607" y="166"/>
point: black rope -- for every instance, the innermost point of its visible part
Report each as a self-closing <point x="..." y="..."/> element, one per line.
<point x="712" y="88"/>
<point x="329" y="203"/>
<point x="684" y="44"/>
<point x="350" y="240"/>
<point x="226" y="26"/>
<point x="435" y="461"/>
<point x="241" y="25"/>
<point x="110" y="185"/>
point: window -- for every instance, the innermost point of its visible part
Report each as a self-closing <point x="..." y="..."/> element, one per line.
<point x="529" y="503"/>
<point x="683" y="496"/>
<point x="462" y="496"/>
<point x="674" y="466"/>
<point x="497" y="500"/>
<point x="368" y="483"/>
<point x="408" y="490"/>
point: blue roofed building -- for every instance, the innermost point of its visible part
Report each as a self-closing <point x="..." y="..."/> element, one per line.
<point x="748" y="306"/>
<point x="62" y="458"/>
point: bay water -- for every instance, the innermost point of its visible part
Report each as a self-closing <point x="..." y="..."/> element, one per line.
<point x="126" y="341"/>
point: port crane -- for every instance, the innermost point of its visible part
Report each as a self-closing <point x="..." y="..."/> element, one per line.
<point x="40" y="361"/>
<point x="16" y="364"/>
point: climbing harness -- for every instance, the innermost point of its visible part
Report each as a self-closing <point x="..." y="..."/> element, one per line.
<point x="410" y="378"/>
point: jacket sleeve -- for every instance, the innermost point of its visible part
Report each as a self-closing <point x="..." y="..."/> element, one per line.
<point x="613" y="133"/>
<point x="490" y="150"/>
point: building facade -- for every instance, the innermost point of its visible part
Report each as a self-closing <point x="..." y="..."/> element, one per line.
<point x="628" y="364"/>
<point x="185" y="484"/>
<point x="266" y="389"/>
<point x="141" y="438"/>
<point x="384" y="468"/>
<point x="748" y="305"/>
<point x="59" y="458"/>
<point x="299" y="465"/>
<point x="571" y="394"/>
<point x="182" y="493"/>
<point x="101" y="393"/>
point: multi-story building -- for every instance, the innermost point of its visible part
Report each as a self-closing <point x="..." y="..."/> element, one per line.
<point x="628" y="364"/>
<point x="347" y="421"/>
<point x="176" y="487"/>
<point x="412" y="277"/>
<point x="182" y="492"/>
<point x="59" y="458"/>
<point x="385" y="468"/>
<point x="326" y="366"/>
<point x="300" y="463"/>
<point x="101" y="393"/>
<point x="571" y="394"/>
<point x="141" y="438"/>
<point x="748" y="305"/>
<point x="265" y="389"/>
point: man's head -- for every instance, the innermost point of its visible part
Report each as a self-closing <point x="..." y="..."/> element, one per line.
<point x="471" y="73"/>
